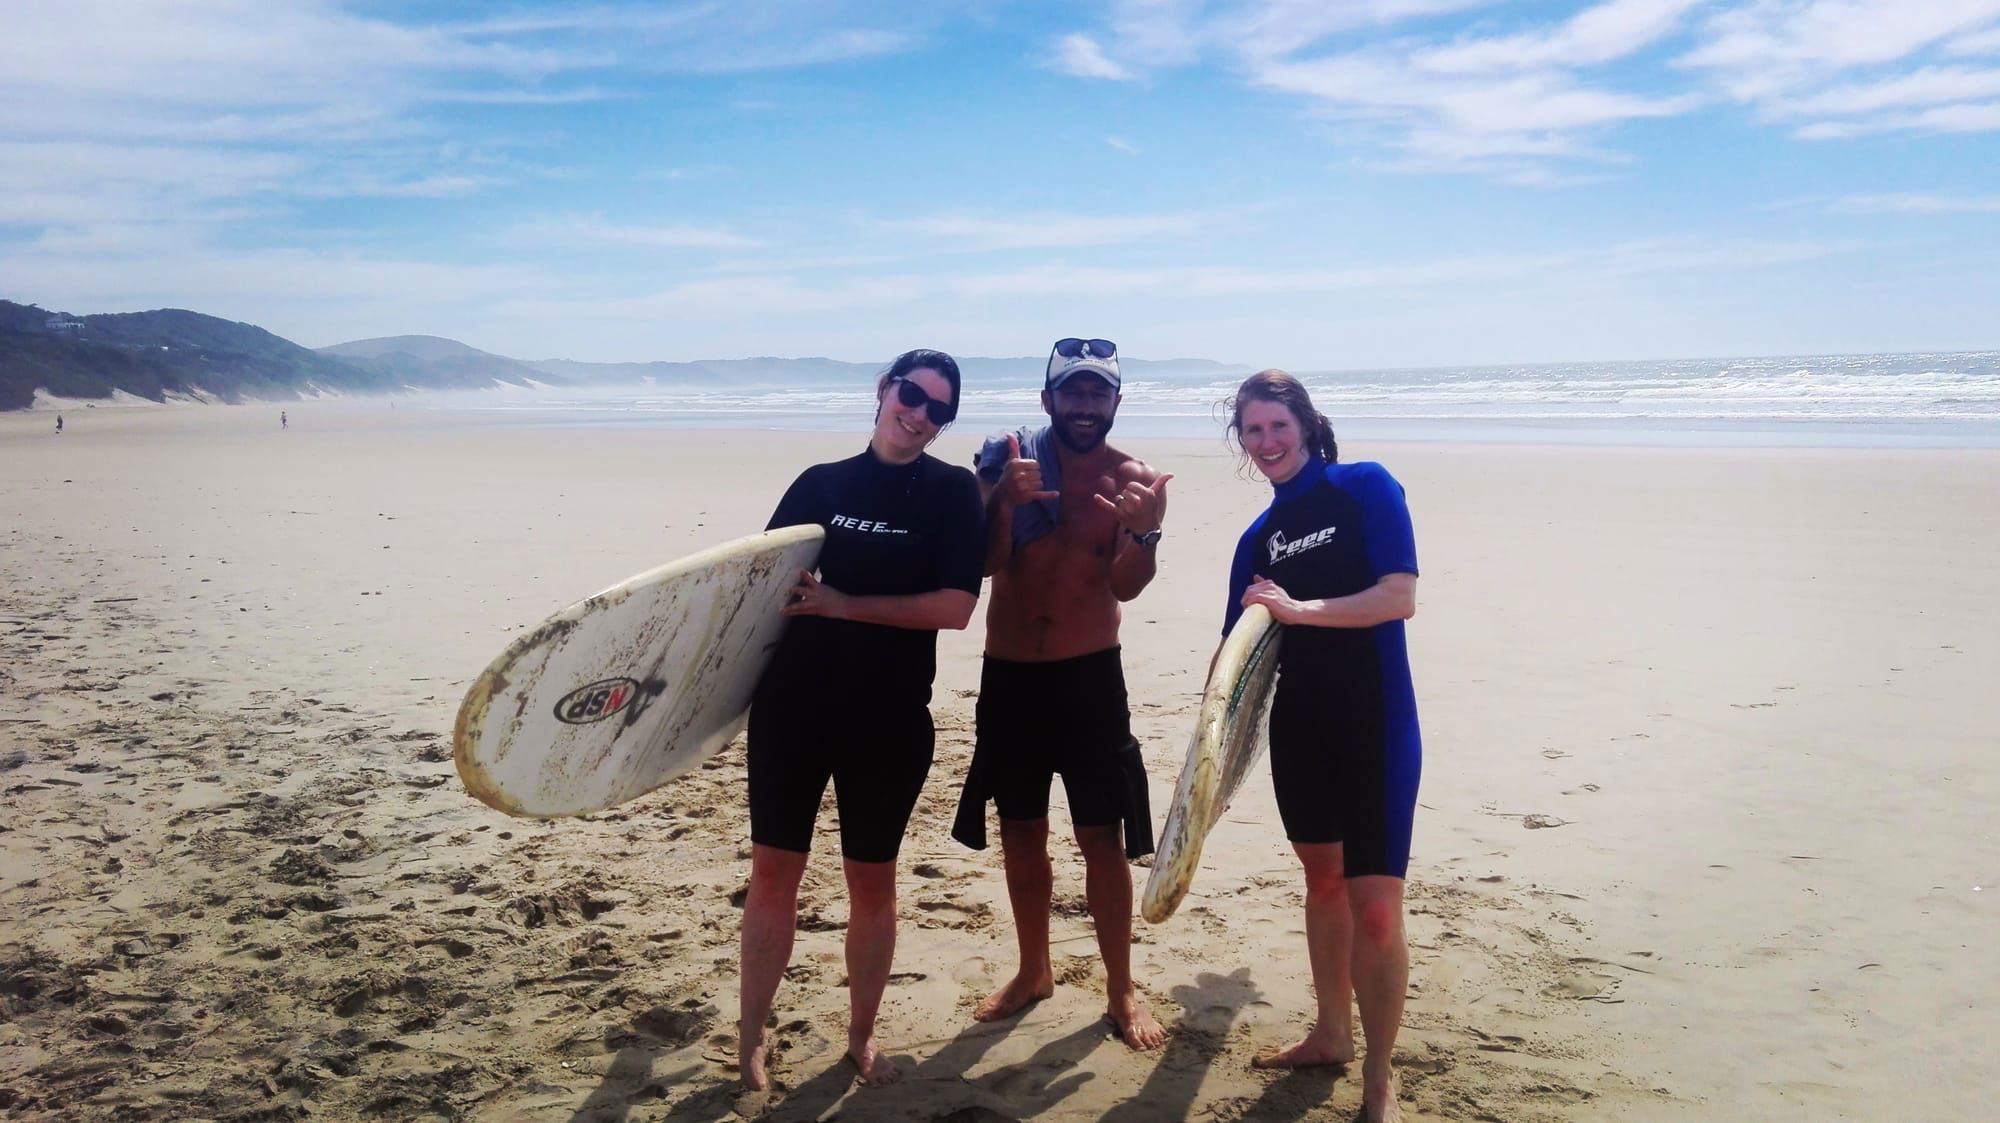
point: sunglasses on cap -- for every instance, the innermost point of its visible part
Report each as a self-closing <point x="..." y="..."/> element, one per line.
<point x="1096" y="348"/>
<point x="912" y="396"/>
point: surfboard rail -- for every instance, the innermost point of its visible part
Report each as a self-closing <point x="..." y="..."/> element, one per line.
<point x="1232" y="730"/>
<point x="616" y="694"/>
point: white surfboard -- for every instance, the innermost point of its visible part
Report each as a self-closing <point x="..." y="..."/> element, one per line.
<point x="1230" y="735"/>
<point x="617" y="694"/>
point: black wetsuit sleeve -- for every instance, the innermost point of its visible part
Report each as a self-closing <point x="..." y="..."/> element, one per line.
<point x="802" y="504"/>
<point x="959" y="553"/>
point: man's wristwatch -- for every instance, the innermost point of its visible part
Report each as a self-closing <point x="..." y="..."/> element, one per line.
<point x="1150" y="538"/>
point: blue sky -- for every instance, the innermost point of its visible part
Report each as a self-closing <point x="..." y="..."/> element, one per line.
<point x="1307" y="183"/>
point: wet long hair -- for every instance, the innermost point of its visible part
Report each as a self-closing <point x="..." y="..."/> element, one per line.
<point x="916" y="360"/>
<point x="1315" y="431"/>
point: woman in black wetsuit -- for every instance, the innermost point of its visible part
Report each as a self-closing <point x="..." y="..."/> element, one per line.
<point x="847" y="694"/>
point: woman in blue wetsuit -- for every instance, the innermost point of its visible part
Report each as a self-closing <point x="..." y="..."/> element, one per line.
<point x="1333" y="558"/>
<point x="847" y="695"/>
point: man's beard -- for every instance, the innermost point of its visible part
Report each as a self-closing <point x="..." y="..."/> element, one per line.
<point x="1097" y="433"/>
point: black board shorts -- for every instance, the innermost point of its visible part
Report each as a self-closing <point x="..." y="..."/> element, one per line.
<point x="877" y="755"/>
<point x="1067" y="718"/>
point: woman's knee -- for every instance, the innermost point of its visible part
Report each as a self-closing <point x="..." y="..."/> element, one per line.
<point x="1326" y="887"/>
<point x="1378" y="919"/>
<point x="1326" y="880"/>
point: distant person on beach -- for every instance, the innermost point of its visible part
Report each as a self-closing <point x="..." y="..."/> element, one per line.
<point x="58" y="424"/>
<point x="1071" y="525"/>
<point x="283" y="422"/>
<point x="1334" y="560"/>
<point x="847" y="694"/>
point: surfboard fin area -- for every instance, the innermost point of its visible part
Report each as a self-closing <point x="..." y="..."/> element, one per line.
<point x="624" y="690"/>
<point x="1231" y="732"/>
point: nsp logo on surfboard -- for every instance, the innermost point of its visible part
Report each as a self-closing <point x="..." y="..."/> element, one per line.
<point x="596" y="701"/>
<point x="1282" y="548"/>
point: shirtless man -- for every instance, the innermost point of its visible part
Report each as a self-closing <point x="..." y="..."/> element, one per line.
<point x="1072" y="524"/>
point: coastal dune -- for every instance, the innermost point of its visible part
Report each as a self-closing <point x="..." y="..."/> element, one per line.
<point x="1704" y="825"/>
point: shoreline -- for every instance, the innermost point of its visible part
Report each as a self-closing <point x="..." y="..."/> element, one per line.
<point x="522" y="409"/>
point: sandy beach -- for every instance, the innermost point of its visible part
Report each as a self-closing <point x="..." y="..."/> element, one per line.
<point x="1705" y="822"/>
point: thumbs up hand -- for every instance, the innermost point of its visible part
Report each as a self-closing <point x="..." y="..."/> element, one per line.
<point x="1021" y="479"/>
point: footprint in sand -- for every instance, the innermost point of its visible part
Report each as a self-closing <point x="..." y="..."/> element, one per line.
<point x="1507" y="999"/>
<point x="1076" y="969"/>
<point x="1588" y="986"/>
<point x="675" y="1026"/>
<point x="946" y="913"/>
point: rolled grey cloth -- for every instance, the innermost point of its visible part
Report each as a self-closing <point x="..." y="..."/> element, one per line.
<point x="1033" y="520"/>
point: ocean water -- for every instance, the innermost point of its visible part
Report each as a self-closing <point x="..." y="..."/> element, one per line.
<point x="1907" y="400"/>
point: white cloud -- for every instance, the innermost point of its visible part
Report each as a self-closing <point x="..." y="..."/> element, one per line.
<point x="1980" y="118"/>
<point x="1823" y="35"/>
<point x="1122" y="145"/>
<point x="1033" y="231"/>
<point x="594" y="230"/>
<point x="1600" y="34"/>
<point x="310" y="297"/>
<point x="1270" y="29"/>
<point x="1978" y="43"/>
<point x="1861" y="66"/>
<point x="1983" y="117"/>
<point x="1081" y="57"/>
<point x="1508" y="106"/>
<point x="282" y="102"/>
<point x="1917" y="203"/>
<point x="1928" y="86"/>
<point x="750" y="297"/>
<point x="830" y="47"/>
<point x="769" y="264"/>
<point x="78" y="182"/>
<point x="1517" y="105"/>
<point x="419" y="187"/>
<point x="116" y="238"/>
<point x="1662" y="255"/>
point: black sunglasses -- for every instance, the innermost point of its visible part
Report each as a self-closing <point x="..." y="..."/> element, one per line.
<point x="912" y="396"/>
<point x="1096" y="348"/>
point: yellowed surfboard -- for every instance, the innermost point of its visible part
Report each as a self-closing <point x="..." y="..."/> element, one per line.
<point x="1230" y="735"/>
<point x="619" y="693"/>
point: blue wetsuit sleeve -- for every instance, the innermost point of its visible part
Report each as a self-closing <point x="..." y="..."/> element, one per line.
<point x="960" y="535"/>
<point x="1241" y="569"/>
<point x="800" y="505"/>
<point x="1385" y="522"/>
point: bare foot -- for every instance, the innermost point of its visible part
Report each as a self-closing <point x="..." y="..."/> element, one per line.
<point x="1378" y="1099"/>
<point x="1020" y="993"/>
<point x="872" y="1069"/>
<point x="753" y="1103"/>
<point x="1135" y="1022"/>
<point x="751" y="1051"/>
<point x="1314" y="1049"/>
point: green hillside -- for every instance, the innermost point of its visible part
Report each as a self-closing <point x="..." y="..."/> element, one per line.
<point x="160" y="353"/>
